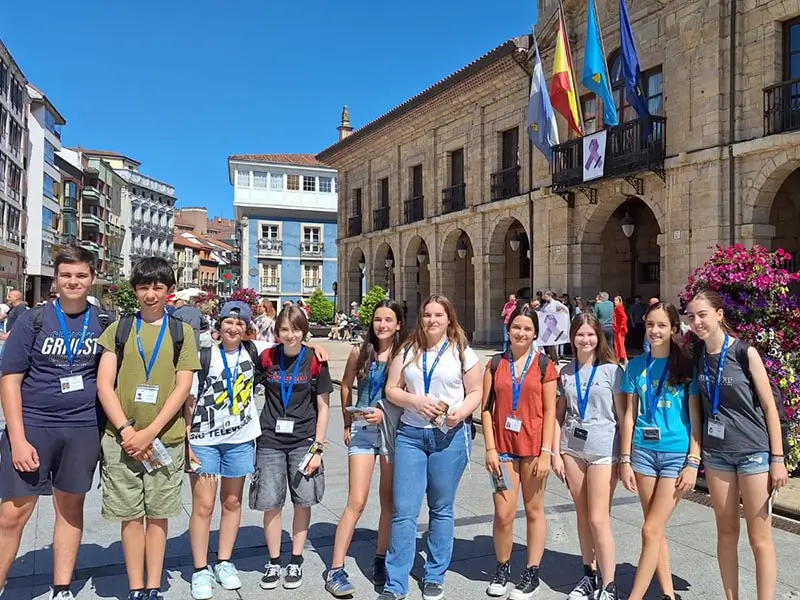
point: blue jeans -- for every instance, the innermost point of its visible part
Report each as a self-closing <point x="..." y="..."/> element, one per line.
<point x="506" y="338"/>
<point x="426" y="461"/>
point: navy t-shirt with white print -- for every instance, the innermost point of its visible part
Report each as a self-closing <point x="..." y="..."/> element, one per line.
<point x="44" y="362"/>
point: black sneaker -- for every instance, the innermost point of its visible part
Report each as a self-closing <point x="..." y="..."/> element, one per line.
<point x="390" y="596"/>
<point x="271" y="578"/>
<point x="528" y="586"/>
<point x="610" y="592"/>
<point x="585" y="590"/>
<point x="498" y="586"/>
<point x="294" y="576"/>
<point x="379" y="571"/>
<point x="432" y="591"/>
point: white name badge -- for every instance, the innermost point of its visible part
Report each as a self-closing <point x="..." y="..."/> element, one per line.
<point x="73" y="383"/>
<point x="716" y="429"/>
<point x="147" y="394"/>
<point x="513" y="424"/>
<point x="284" y="426"/>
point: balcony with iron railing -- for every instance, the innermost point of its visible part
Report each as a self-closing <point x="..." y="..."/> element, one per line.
<point x="310" y="285"/>
<point x="631" y="148"/>
<point x="380" y="218"/>
<point x="414" y="209"/>
<point x="92" y="218"/>
<point x="269" y="247"/>
<point x="354" y="225"/>
<point x="312" y="249"/>
<point x="270" y="285"/>
<point x="505" y="183"/>
<point x="454" y="198"/>
<point x="90" y="193"/>
<point x="782" y="107"/>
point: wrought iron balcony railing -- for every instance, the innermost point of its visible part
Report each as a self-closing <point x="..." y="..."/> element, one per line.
<point x="505" y="183"/>
<point x="380" y="218"/>
<point x="354" y="225"/>
<point x="782" y="107"/>
<point x="414" y="209"/>
<point x="454" y="198"/>
<point x="270" y="247"/>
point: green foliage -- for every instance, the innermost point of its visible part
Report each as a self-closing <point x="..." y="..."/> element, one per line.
<point x="124" y="298"/>
<point x="374" y="297"/>
<point x="322" y="308"/>
<point x="248" y="296"/>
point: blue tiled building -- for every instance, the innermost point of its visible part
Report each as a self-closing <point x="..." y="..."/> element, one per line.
<point x="286" y="205"/>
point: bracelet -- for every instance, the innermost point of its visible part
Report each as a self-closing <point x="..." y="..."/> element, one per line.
<point x="625" y="459"/>
<point x="547" y="451"/>
<point x="125" y="425"/>
<point x="694" y="457"/>
<point x="776" y="456"/>
<point x="776" y="460"/>
<point x="491" y="450"/>
<point x="692" y="465"/>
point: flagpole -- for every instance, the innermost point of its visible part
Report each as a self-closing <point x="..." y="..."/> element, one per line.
<point x="569" y="61"/>
<point x="531" y="260"/>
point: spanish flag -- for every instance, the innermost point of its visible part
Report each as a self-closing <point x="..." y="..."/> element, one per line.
<point x="562" y="90"/>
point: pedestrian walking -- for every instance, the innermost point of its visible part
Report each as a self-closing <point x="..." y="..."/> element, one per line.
<point x="604" y="311"/>
<point x="590" y="408"/>
<point x="661" y="435"/>
<point x="742" y="443"/>
<point x="294" y="425"/>
<point x="51" y="441"/>
<point x="436" y="380"/>
<point x="620" y="324"/>
<point x="363" y="416"/>
<point x="143" y="381"/>
<point x="519" y="425"/>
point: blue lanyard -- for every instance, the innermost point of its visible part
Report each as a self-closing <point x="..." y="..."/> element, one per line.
<point x="583" y="399"/>
<point x="65" y="334"/>
<point x="427" y="376"/>
<point x="286" y="389"/>
<point x="375" y="383"/>
<point x="148" y="366"/>
<point x="652" y="399"/>
<point x="230" y="377"/>
<point x="718" y="385"/>
<point x="516" y="384"/>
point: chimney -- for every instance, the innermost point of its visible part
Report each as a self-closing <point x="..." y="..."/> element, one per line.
<point x="345" y="128"/>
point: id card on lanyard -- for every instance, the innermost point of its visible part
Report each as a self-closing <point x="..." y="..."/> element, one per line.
<point x="230" y="375"/>
<point x="72" y="383"/>
<point x="579" y="434"/>
<point x="147" y="393"/>
<point x="653" y="434"/>
<point x="512" y="422"/>
<point x="716" y="428"/>
<point x="283" y="424"/>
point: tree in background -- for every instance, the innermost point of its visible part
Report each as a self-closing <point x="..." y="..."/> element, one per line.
<point x="374" y="297"/>
<point x="754" y="285"/>
<point x="124" y="298"/>
<point x="322" y="308"/>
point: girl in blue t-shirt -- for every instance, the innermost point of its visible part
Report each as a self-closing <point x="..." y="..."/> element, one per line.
<point x="663" y="425"/>
<point x="367" y="364"/>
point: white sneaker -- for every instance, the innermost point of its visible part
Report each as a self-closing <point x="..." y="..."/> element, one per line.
<point x="59" y="596"/>
<point x="227" y="575"/>
<point x="202" y="585"/>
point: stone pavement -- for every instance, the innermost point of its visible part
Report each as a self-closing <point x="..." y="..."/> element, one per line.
<point x="101" y="573"/>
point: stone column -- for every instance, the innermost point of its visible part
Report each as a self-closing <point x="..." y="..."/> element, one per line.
<point x="584" y="269"/>
<point x="444" y="278"/>
<point x="352" y="293"/>
<point x="488" y="326"/>
<point x="407" y="286"/>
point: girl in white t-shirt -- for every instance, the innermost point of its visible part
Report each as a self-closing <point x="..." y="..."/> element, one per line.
<point x="435" y="380"/>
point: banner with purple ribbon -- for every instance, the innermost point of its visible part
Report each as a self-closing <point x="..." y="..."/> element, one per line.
<point x="594" y="155"/>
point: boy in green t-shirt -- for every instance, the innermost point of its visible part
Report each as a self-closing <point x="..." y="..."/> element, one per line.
<point x="143" y="445"/>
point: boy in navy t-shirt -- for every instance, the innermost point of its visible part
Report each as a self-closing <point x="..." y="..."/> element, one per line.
<point x="49" y="395"/>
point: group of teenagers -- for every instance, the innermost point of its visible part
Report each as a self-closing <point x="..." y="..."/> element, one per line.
<point x="137" y="394"/>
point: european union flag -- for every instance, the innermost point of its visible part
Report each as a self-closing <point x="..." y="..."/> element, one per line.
<point x="630" y="64"/>
<point x="541" y="122"/>
<point x="595" y="72"/>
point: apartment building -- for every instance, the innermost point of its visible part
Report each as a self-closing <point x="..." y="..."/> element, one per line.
<point x="14" y="103"/>
<point x="200" y="262"/>
<point x="43" y="207"/>
<point x="220" y="235"/>
<point x="286" y="207"/>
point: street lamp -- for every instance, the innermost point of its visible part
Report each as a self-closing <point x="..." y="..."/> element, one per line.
<point x="514" y="242"/>
<point x="462" y="248"/>
<point x="362" y="265"/>
<point x="421" y="255"/>
<point x="388" y="263"/>
<point x="628" y="225"/>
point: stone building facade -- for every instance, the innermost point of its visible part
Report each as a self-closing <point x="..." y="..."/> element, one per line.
<point x="438" y="193"/>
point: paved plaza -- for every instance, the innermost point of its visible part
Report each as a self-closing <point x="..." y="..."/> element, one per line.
<point x="692" y="538"/>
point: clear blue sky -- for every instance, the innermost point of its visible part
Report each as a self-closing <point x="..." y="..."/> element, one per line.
<point x="180" y="84"/>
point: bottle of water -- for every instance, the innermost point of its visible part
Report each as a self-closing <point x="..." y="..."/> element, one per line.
<point x="161" y="457"/>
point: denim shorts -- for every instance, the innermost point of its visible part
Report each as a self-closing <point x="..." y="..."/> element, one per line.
<point x="743" y="463"/>
<point x="278" y="469"/>
<point x="651" y="463"/>
<point x="228" y="460"/>
<point x="364" y="439"/>
<point x="509" y="457"/>
<point x="589" y="459"/>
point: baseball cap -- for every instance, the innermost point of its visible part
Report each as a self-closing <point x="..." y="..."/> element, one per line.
<point x="237" y="310"/>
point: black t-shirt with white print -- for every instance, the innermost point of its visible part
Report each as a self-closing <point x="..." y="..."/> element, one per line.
<point x="302" y="409"/>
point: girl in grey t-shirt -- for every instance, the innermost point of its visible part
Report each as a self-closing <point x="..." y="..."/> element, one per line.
<point x="738" y="458"/>
<point x="589" y="401"/>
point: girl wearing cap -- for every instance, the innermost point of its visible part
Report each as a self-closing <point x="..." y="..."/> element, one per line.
<point x="222" y="426"/>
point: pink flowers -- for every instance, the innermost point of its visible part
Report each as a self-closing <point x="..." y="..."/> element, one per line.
<point x="755" y="288"/>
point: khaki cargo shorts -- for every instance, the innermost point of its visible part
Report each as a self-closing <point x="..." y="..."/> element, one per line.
<point x="130" y="492"/>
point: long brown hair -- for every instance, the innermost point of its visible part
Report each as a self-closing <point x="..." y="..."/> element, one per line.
<point x="713" y="298"/>
<point x="368" y="352"/>
<point x="602" y="352"/>
<point x="269" y="309"/>
<point x="417" y="342"/>
<point x="680" y="367"/>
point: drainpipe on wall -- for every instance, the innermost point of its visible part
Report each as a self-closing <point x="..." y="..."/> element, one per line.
<point x="731" y="128"/>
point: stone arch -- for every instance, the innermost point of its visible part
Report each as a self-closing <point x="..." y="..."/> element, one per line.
<point x="356" y="256"/>
<point x="382" y="250"/>
<point x="590" y="229"/>
<point x="457" y="275"/>
<point x="497" y="230"/>
<point x="410" y="253"/>
<point x="416" y="275"/>
<point x="761" y="193"/>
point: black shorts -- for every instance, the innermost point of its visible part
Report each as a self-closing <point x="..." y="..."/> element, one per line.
<point x="67" y="460"/>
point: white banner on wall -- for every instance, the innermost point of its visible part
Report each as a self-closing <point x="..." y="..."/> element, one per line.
<point x="594" y="155"/>
<point x="553" y="328"/>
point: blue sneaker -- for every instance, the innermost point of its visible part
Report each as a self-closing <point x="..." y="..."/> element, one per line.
<point x="337" y="583"/>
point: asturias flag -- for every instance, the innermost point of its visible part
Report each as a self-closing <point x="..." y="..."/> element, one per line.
<point x="562" y="91"/>
<point x="595" y="71"/>
<point x="630" y="64"/>
<point x="541" y="121"/>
